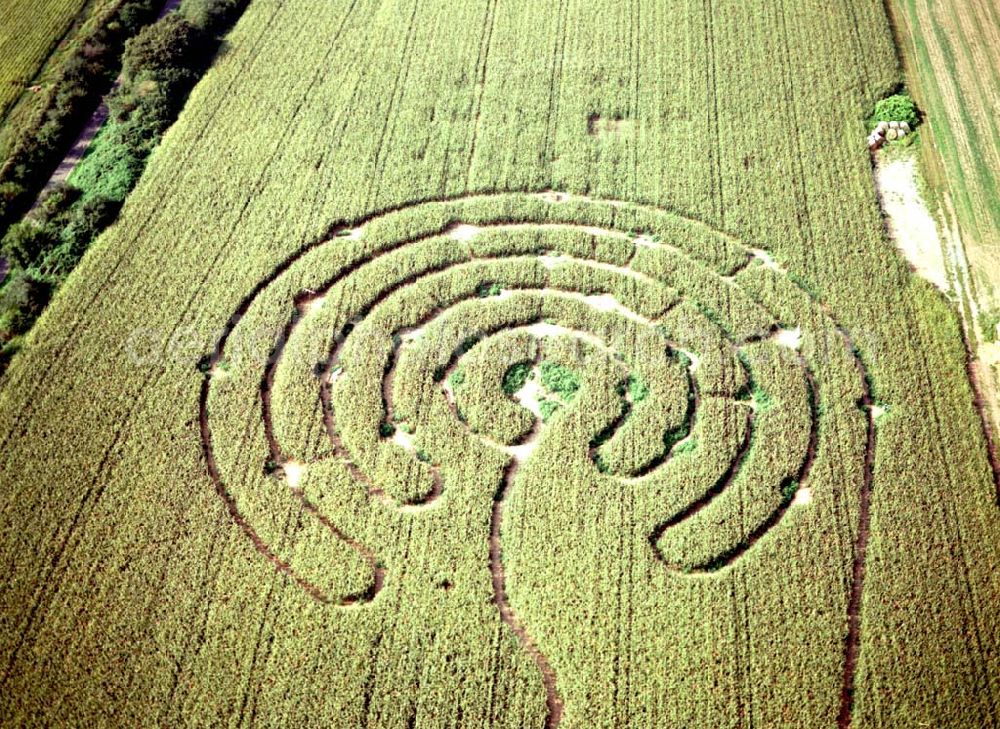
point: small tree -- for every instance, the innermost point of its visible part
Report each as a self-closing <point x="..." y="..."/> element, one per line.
<point x="898" y="107"/>
<point x="21" y="301"/>
<point x="168" y="43"/>
<point x="27" y="242"/>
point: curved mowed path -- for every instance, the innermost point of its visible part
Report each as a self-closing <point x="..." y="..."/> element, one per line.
<point x="367" y="427"/>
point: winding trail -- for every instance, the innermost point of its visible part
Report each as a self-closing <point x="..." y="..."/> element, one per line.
<point x="553" y="701"/>
<point x="303" y="304"/>
<point x="852" y="644"/>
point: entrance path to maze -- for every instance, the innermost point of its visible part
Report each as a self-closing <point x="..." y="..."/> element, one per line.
<point x="478" y="389"/>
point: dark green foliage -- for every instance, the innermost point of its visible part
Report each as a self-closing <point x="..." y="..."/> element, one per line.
<point x="515" y="377"/>
<point x="761" y="399"/>
<point x="111" y="168"/>
<point x="213" y="15"/>
<point x="559" y="380"/>
<point x="169" y="43"/>
<point x="54" y="239"/>
<point x="87" y="221"/>
<point x="8" y="350"/>
<point x="488" y="289"/>
<point x="686" y="447"/>
<point x="21" y="301"/>
<point x="548" y="408"/>
<point x="27" y="242"/>
<point x="9" y="193"/>
<point x="638" y="390"/>
<point x="898" y="107"/>
<point x="41" y="140"/>
<point x="160" y="65"/>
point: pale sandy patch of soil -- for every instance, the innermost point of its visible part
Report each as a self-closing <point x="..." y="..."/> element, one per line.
<point x="911" y="225"/>
<point x="765" y="258"/>
<point x="551" y="196"/>
<point x="802" y="497"/>
<point x="314" y="305"/>
<point x="410" y="335"/>
<point x="531" y="394"/>
<point x="791" y="338"/>
<point x="608" y="303"/>
<point x="293" y="473"/>
<point x="464" y="232"/>
<point x="403" y="440"/>
<point x="530" y="397"/>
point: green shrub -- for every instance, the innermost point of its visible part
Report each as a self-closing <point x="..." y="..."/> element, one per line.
<point x="110" y="169"/>
<point x="485" y="290"/>
<point x="686" y="447"/>
<point x="899" y="107"/>
<point x="212" y="15"/>
<point x="761" y="399"/>
<point x="559" y="380"/>
<point x="9" y="193"/>
<point x="39" y="143"/>
<point x="637" y="389"/>
<point x="87" y="221"/>
<point x="515" y="377"/>
<point x="8" y="350"/>
<point x="27" y="242"/>
<point x="166" y="44"/>
<point x="547" y="407"/>
<point x="21" y="301"/>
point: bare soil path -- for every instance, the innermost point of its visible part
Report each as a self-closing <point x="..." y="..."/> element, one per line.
<point x="306" y="300"/>
<point x="911" y="225"/>
<point x="75" y="153"/>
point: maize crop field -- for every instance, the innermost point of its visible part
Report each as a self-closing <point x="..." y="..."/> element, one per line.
<point x="495" y="363"/>
<point x="28" y="33"/>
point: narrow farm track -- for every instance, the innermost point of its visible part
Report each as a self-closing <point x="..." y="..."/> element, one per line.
<point x="74" y="155"/>
<point x="411" y="333"/>
<point x="107" y="276"/>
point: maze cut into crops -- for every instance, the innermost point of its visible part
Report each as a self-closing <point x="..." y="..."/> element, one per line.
<point x="651" y="353"/>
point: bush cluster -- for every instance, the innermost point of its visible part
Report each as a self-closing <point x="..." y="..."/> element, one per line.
<point x="898" y="107"/>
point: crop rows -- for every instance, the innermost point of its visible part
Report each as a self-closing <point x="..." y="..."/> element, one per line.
<point x="368" y="424"/>
<point x="30" y="30"/>
<point x="347" y="421"/>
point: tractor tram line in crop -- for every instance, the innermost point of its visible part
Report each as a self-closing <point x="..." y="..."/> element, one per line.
<point x="482" y="256"/>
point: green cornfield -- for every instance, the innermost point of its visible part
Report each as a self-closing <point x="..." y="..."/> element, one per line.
<point x="28" y="33"/>
<point x="495" y="363"/>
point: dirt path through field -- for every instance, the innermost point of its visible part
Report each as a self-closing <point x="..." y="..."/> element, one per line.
<point x="75" y="153"/>
<point x="911" y="225"/>
<point x="936" y="251"/>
